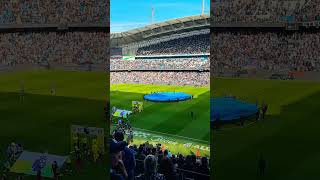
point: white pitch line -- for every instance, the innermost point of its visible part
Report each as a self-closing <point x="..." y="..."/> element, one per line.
<point x="238" y="127"/>
<point x="199" y="140"/>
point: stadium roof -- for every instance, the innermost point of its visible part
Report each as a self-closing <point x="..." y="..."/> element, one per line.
<point x="158" y="29"/>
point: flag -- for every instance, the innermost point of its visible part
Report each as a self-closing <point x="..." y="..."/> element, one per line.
<point x="198" y="153"/>
<point x="152" y="15"/>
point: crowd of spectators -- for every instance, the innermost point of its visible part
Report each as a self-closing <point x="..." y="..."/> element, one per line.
<point x="53" y="12"/>
<point x="180" y="74"/>
<point x="180" y="78"/>
<point x="267" y="51"/>
<point x="196" y="44"/>
<point x="148" y="161"/>
<point x="265" y="10"/>
<point x="53" y="47"/>
<point x="194" y="63"/>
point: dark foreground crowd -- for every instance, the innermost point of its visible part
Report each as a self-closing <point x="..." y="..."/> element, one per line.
<point x="149" y="162"/>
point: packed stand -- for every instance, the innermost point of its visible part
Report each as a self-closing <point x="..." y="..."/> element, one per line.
<point x="196" y="44"/>
<point x="161" y="77"/>
<point x="265" y="10"/>
<point x="161" y="64"/>
<point x="148" y="161"/>
<point x="272" y="52"/>
<point x="52" y="47"/>
<point x="53" y="12"/>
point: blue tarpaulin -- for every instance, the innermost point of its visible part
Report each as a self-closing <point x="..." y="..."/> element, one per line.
<point x="167" y="96"/>
<point x="230" y="109"/>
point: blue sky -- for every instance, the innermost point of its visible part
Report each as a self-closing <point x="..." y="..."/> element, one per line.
<point x="129" y="14"/>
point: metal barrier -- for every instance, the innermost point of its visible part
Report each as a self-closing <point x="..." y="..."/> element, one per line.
<point x="181" y="174"/>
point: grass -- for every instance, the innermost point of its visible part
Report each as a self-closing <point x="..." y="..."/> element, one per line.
<point x="288" y="138"/>
<point x="42" y="121"/>
<point x="176" y="144"/>
<point x="169" y="118"/>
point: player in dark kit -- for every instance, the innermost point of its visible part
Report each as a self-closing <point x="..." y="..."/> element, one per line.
<point x="258" y="115"/>
<point x="76" y="139"/>
<point x="39" y="177"/>
<point x="53" y="89"/>
<point x="261" y="165"/>
<point x="85" y="146"/>
<point x="68" y="163"/>
<point x="54" y="169"/>
<point x="77" y="155"/>
<point x="191" y="114"/>
<point x="264" y="110"/>
<point x="22" y="91"/>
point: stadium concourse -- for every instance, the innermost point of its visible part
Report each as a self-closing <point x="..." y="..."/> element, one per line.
<point x="265" y="54"/>
<point x="43" y="46"/>
<point x="166" y="58"/>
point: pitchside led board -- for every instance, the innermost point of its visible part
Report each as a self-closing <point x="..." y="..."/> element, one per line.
<point x="128" y="58"/>
<point x="92" y="134"/>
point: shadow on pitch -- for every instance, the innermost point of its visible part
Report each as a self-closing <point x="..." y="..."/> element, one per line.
<point x="287" y="142"/>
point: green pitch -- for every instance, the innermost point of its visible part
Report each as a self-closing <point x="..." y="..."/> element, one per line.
<point x="170" y="121"/>
<point x="42" y="121"/>
<point x="288" y="137"/>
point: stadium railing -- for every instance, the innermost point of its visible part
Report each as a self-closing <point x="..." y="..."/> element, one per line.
<point x="191" y="175"/>
<point x="181" y="174"/>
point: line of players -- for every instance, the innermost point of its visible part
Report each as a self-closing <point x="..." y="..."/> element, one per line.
<point x="53" y="90"/>
<point x="81" y="148"/>
<point x="123" y="127"/>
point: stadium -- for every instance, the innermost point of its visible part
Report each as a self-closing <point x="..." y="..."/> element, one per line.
<point x="265" y="77"/>
<point x="53" y="58"/>
<point x="160" y="84"/>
